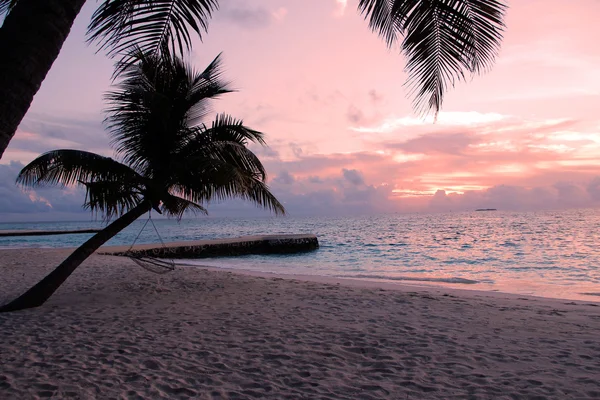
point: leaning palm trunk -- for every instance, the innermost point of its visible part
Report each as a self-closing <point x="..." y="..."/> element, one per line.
<point x="37" y="295"/>
<point x="30" y="39"/>
<point x="173" y="166"/>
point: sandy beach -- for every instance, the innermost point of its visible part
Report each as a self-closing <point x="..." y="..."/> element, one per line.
<point x="114" y="330"/>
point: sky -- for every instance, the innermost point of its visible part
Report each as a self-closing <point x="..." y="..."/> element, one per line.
<point x="343" y="136"/>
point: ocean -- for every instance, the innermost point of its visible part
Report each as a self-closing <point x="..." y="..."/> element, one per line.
<point x="546" y="253"/>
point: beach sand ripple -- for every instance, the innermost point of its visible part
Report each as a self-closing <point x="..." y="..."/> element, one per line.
<point x="116" y="331"/>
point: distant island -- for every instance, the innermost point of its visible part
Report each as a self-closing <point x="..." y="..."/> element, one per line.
<point x="486" y="209"/>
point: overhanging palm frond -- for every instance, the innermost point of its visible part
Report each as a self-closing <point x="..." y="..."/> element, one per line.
<point x="443" y="40"/>
<point x="68" y="167"/>
<point x="152" y="25"/>
<point x="111" y="198"/>
<point x="6" y="6"/>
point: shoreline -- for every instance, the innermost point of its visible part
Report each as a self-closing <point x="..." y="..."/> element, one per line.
<point x="398" y="285"/>
<point x="393" y="283"/>
<point x="116" y="330"/>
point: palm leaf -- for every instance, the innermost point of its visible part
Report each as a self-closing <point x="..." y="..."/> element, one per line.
<point x="225" y="128"/>
<point x="443" y="40"/>
<point x="224" y="142"/>
<point x="216" y="180"/>
<point x="219" y="156"/>
<point x="151" y="25"/>
<point x="176" y="206"/>
<point x="205" y="86"/>
<point x="248" y="188"/>
<point x="154" y="105"/>
<point x="259" y="193"/>
<point x="68" y="167"/>
<point x="6" y="6"/>
<point x="111" y="198"/>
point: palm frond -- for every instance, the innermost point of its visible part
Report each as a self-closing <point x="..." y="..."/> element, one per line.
<point x="260" y="194"/>
<point x="176" y="206"/>
<point x="151" y="25"/>
<point x="248" y="188"/>
<point x="382" y="19"/>
<point x="216" y="180"/>
<point x="217" y="157"/>
<point x="225" y="128"/>
<point x="207" y="85"/>
<point x="111" y="198"/>
<point x="6" y="6"/>
<point x="222" y="146"/>
<point x="155" y="104"/>
<point x="68" y="167"/>
<point x="443" y="40"/>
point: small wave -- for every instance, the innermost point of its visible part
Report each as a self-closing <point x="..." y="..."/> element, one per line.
<point x="590" y="294"/>
<point x="412" y="278"/>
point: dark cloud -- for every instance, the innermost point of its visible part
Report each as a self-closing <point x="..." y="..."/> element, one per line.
<point x="15" y="200"/>
<point x="353" y="176"/>
<point x="245" y="16"/>
<point x="375" y="96"/>
<point x="285" y="178"/>
<point x="354" y="115"/>
<point x="593" y="189"/>
<point x="264" y="152"/>
<point x="570" y="194"/>
<point x="40" y="133"/>
<point x="518" y="198"/>
<point x="296" y="149"/>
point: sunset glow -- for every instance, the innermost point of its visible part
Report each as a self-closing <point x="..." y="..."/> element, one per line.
<point x="331" y="99"/>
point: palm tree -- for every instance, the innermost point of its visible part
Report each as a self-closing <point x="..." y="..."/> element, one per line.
<point x="443" y="40"/>
<point x="170" y="161"/>
<point x="34" y="31"/>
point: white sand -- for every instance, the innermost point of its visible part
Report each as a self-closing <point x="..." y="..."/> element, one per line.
<point x="115" y="330"/>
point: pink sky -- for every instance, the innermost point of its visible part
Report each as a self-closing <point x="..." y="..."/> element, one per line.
<point x="329" y="96"/>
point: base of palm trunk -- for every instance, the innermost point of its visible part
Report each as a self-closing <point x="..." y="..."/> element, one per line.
<point x="37" y="295"/>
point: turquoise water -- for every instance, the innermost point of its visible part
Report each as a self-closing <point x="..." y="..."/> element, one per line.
<point x="552" y="254"/>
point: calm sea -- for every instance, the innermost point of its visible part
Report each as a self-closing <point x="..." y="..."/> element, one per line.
<point x="552" y="253"/>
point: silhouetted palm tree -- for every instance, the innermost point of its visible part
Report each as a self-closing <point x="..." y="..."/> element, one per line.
<point x="442" y="39"/>
<point x="34" y="31"/>
<point x="170" y="161"/>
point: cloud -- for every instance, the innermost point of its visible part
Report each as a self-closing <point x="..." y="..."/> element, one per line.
<point x="517" y="198"/>
<point x="445" y="118"/>
<point x="506" y="163"/>
<point x="340" y="8"/>
<point x="280" y="13"/>
<point x="23" y="203"/>
<point x="448" y="143"/>
<point x="296" y="149"/>
<point x="354" y="115"/>
<point x="39" y="133"/>
<point x="250" y="17"/>
<point x="353" y="176"/>
<point x="375" y="96"/>
<point x="285" y="178"/>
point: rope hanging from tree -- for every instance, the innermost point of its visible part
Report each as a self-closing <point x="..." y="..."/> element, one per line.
<point x="152" y="264"/>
